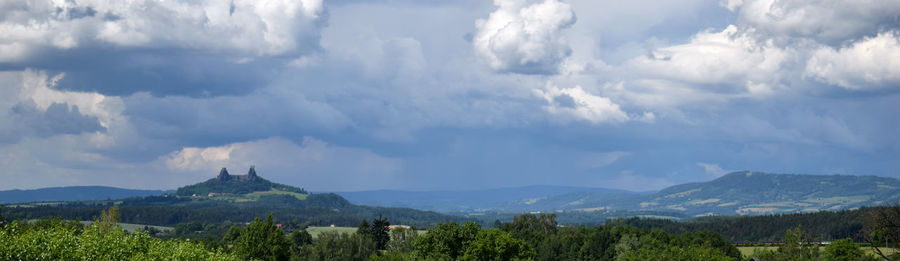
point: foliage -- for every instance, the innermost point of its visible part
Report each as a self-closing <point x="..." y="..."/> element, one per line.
<point x="262" y="240"/>
<point x="380" y="232"/>
<point x="298" y="239"/>
<point x="843" y="250"/>
<point x="447" y="241"/>
<point x="798" y="245"/>
<point x="338" y="246"/>
<point x="882" y="225"/>
<point x="2" y="220"/>
<point x="671" y="252"/>
<point x="55" y="240"/>
<point x="495" y="244"/>
<point x="532" y="228"/>
<point x="402" y="240"/>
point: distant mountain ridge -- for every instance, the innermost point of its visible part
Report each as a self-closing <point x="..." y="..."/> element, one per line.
<point x="749" y="192"/>
<point x="737" y="193"/>
<point x="74" y="193"/>
<point x="512" y="199"/>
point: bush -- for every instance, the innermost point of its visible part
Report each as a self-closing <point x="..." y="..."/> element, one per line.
<point x="100" y="241"/>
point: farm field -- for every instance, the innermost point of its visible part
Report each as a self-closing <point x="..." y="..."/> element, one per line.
<point x="315" y="231"/>
<point x="127" y="226"/>
<point x="747" y="251"/>
<point x="254" y="196"/>
<point x="134" y="227"/>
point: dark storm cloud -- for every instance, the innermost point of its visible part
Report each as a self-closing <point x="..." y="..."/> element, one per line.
<point x="159" y="72"/>
<point x="58" y="118"/>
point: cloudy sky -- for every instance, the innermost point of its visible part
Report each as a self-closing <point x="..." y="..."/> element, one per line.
<point x="402" y="94"/>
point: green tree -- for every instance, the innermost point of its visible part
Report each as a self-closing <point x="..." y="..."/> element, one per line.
<point x="364" y="228"/>
<point x="380" y="232"/>
<point x="262" y="240"/>
<point x="402" y="240"/>
<point x="798" y="245"/>
<point x="233" y="233"/>
<point x="54" y="239"/>
<point x="882" y="228"/>
<point x="447" y="240"/>
<point x="332" y="245"/>
<point x="2" y="220"/>
<point x="108" y="219"/>
<point x="843" y="250"/>
<point x="495" y="244"/>
<point x="298" y="239"/>
<point x="532" y="228"/>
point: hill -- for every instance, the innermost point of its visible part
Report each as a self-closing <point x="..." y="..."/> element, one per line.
<point x="226" y="184"/>
<point x="74" y="193"/>
<point x="514" y="199"/>
<point x="737" y="193"/>
<point x="754" y="193"/>
<point x="234" y="198"/>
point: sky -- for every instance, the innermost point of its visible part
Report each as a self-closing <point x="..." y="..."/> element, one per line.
<point x="351" y="95"/>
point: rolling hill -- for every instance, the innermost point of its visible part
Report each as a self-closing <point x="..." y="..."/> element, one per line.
<point x="737" y="193"/>
<point x="753" y="193"/>
<point x="74" y="193"/>
<point x="514" y="199"/>
<point x="234" y="198"/>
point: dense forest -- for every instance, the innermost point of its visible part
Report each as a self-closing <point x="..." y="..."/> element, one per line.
<point x="823" y="225"/>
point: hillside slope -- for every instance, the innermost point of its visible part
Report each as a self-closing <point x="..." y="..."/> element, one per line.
<point x="737" y="193"/>
<point x="753" y="193"/>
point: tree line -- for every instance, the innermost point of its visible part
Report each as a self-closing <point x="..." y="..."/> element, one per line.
<point x="527" y="237"/>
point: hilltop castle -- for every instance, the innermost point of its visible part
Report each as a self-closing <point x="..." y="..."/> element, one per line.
<point x="224" y="176"/>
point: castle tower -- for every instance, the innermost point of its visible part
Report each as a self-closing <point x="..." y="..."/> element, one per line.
<point x="252" y="173"/>
<point x="223" y="175"/>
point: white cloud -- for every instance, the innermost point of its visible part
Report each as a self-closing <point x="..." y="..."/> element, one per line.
<point x="824" y="20"/>
<point x="871" y="63"/>
<point x="524" y="37"/>
<point x="731" y="59"/>
<point x="313" y="163"/>
<point x="713" y="169"/>
<point x="578" y="104"/>
<point x="249" y="27"/>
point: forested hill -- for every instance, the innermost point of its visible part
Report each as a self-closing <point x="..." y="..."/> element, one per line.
<point x="235" y="198"/>
<point x="225" y="184"/>
<point x="753" y="193"/>
<point x="74" y="193"/>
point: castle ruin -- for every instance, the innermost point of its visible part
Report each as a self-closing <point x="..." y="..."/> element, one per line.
<point x="224" y="176"/>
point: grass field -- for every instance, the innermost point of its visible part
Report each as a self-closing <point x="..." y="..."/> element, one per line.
<point x="315" y="231"/>
<point x="250" y="197"/>
<point x="133" y="227"/>
<point x="747" y="251"/>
